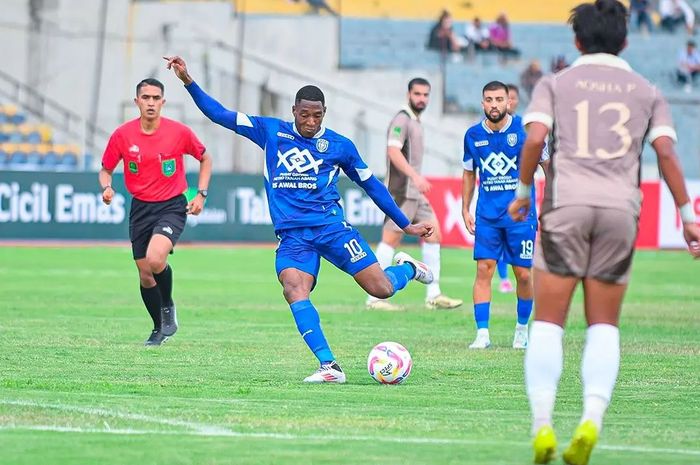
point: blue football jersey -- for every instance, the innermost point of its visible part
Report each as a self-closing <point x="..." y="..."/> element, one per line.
<point x="496" y="155"/>
<point x="301" y="173"/>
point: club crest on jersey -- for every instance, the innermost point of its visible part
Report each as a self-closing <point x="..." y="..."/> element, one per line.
<point x="321" y="145"/>
<point x="512" y="139"/>
<point x="168" y="167"/>
<point x="133" y="167"/>
<point x="299" y="161"/>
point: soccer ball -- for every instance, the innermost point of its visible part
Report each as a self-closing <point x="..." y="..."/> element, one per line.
<point x="389" y="363"/>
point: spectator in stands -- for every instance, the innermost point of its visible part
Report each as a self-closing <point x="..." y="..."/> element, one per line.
<point x="530" y="76"/>
<point x="477" y="35"/>
<point x="688" y="65"/>
<point x="640" y="13"/>
<point x="558" y="63"/>
<point x="499" y="35"/>
<point x="442" y="36"/>
<point x="674" y="13"/>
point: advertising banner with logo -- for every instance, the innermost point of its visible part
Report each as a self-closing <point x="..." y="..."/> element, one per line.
<point x="47" y="205"/>
<point x="670" y="225"/>
<point x="446" y="199"/>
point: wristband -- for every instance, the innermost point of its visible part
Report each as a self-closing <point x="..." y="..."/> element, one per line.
<point x="523" y="191"/>
<point x="687" y="213"/>
<point x="108" y="186"/>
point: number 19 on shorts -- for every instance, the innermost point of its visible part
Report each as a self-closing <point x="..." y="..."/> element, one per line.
<point x="526" y="248"/>
<point x="355" y="250"/>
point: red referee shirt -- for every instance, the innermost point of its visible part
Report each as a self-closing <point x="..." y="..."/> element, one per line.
<point x="154" y="168"/>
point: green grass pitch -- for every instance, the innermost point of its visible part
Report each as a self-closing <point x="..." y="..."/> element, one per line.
<point x="78" y="387"/>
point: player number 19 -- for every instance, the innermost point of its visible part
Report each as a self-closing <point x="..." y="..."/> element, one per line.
<point x="527" y="248"/>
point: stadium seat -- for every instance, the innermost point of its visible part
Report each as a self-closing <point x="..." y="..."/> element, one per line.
<point x="69" y="162"/>
<point x="50" y="161"/>
<point x="18" y="159"/>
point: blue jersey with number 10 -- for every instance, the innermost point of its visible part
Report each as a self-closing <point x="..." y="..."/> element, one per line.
<point x="497" y="157"/>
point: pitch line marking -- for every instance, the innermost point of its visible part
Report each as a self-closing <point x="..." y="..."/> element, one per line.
<point x="198" y="429"/>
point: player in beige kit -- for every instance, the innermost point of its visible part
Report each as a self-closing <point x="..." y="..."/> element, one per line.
<point x="599" y="112"/>
<point x="408" y="187"/>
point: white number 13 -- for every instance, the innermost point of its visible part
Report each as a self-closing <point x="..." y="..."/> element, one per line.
<point x="619" y="128"/>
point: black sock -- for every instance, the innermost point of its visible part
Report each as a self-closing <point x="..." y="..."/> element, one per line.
<point x="152" y="300"/>
<point x="165" y="284"/>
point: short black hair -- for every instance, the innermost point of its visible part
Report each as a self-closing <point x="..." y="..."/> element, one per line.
<point x="417" y="81"/>
<point x="494" y="85"/>
<point x="310" y="93"/>
<point x="150" y="82"/>
<point x="600" y="26"/>
<point x="514" y="88"/>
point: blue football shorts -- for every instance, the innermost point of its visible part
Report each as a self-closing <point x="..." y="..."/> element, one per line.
<point x="339" y="243"/>
<point x="516" y="243"/>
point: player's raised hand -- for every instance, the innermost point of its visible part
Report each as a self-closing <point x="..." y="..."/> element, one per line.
<point x="519" y="208"/>
<point x="178" y="65"/>
<point x="419" y="229"/>
<point x="691" y="234"/>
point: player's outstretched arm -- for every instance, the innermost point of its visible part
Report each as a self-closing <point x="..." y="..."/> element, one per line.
<point x="530" y="157"/>
<point x="672" y="173"/>
<point x="211" y="108"/>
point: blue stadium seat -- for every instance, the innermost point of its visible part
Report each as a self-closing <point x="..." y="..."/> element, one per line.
<point x="50" y="161"/>
<point x="18" y="159"/>
<point x="69" y="162"/>
<point x="34" y="137"/>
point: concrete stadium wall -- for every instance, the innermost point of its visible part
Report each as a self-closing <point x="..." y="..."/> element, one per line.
<point x="138" y="34"/>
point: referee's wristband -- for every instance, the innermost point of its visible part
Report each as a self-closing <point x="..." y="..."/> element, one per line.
<point x="687" y="213"/>
<point x="523" y="191"/>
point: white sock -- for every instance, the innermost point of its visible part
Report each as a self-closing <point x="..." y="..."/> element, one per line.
<point x="384" y="253"/>
<point x="519" y="327"/>
<point x="544" y="360"/>
<point x="599" y="367"/>
<point x="483" y="332"/>
<point x="431" y="257"/>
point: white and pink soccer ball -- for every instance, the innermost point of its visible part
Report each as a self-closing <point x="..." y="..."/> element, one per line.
<point x="389" y="363"/>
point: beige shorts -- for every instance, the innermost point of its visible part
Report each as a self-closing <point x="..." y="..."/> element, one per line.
<point x="416" y="210"/>
<point x="587" y="242"/>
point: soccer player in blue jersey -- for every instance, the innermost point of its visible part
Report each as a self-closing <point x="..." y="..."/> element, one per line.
<point x="302" y="164"/>
<point x="493" y="148"/>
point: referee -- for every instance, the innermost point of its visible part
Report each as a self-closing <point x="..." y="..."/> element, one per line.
<point x="152" y="148"/>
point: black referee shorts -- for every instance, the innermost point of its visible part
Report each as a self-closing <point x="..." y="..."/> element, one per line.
<point x="148" y="218"/>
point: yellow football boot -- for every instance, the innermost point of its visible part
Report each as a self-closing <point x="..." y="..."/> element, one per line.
<point x="585" y="438"/>
<point x="545" y="445"/>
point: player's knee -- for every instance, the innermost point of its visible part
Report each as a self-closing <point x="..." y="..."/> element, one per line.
<point x="155" y="263"/>
<point x="294" y="292"/>
<point x="523" y="276"/>
<point x="146" y="278"/>
<point x="485" y="269"/>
